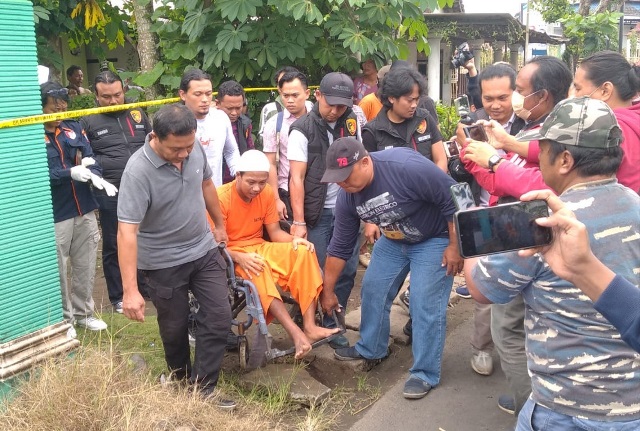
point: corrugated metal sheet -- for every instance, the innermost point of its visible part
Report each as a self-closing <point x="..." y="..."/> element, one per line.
<point x="29" y="286"/>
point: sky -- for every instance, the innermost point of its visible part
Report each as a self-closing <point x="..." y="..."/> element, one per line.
<point x="493" y="6"/>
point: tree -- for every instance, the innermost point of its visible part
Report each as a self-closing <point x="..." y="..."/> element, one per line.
<point x="147" y="43"/>
<point x="248" y="39"/>
<point x="588" y="32"/>
<point x="80" y="23"/>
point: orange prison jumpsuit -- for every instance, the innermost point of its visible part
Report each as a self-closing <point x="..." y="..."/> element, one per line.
<point x="297" y="272"/>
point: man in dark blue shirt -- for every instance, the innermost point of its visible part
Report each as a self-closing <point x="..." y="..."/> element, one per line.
<point x="409" y="199"/>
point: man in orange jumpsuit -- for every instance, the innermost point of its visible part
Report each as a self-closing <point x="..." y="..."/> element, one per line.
<point x="248" y="204"/>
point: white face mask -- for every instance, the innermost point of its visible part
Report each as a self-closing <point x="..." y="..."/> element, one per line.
<point x="517" y="102"/>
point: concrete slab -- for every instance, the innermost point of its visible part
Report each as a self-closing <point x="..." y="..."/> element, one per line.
<point x="303" y="388"/>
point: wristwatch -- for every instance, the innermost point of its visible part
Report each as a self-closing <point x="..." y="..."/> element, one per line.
<point x="493" y="161"/>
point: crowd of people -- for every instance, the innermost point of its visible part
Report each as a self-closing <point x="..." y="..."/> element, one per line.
<point x="339" y="177"/>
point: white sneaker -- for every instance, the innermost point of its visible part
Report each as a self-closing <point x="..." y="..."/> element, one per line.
<point x="92" y="323"/>
<point x="117" y="307"/>
<point x="71" y="333"/>
<point x="482" y="363"/>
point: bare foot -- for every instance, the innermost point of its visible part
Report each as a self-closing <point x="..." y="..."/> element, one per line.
<point x="303" y="346"/>
<point x="316" y="333"/>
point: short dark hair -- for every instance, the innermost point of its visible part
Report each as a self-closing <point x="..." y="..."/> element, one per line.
<point x="106" y="77"/>
<point x="398" y="82"/>
<point x="285" y="69"/>
<point x="72" y="69"/>
<point x="53" y="90"/>
<point x="230" y="88"/>
<point x="589" y="161"/>
<point x="292" y="76"/>
<point x="553" y="75"/>
<point x="613" y="67"/>
<point x="174" y="119"/>
<point x="193" y="75"/>
<point x="499" y="70"/>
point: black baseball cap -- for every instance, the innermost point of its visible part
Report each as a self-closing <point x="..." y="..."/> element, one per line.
<point x="342" y="155"/>
<point x="337" y="89"/>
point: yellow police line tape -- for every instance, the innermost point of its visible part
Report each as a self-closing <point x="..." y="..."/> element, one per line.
<point x="44" y="118"/>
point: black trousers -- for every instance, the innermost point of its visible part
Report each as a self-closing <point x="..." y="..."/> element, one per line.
<point x="168" y="289"/>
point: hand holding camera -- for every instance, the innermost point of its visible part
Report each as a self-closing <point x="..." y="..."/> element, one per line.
<point x="461" y="55"/>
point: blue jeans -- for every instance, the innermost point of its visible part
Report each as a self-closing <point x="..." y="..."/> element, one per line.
<point x="320" y="236"/>
<point x="390" y="263"/>
<point x="533" y="416"/>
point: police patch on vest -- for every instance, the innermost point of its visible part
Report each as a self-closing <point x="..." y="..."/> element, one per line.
<point x="422" y="126"/>
<point x="136" y="115"/>
<point x="351" y="126"/>
<point x="424" y="137"/>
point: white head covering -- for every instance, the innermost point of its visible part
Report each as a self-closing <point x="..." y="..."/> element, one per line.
<point x="253" y="161"/>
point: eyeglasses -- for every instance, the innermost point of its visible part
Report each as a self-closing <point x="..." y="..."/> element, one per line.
<point x="61" y="93"/>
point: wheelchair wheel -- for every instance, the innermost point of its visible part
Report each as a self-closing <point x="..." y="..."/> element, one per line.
<point x="243" y="351"/>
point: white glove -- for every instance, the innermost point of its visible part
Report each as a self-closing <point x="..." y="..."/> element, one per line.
<point x="88" y="161"/>
<point x="80" y="173"/>
<point x="102" y="184"/>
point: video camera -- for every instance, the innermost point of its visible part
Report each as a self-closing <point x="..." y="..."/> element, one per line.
<point x="461" y="56"/>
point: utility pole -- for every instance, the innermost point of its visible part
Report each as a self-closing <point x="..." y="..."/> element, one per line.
<point x="526" y="34"/>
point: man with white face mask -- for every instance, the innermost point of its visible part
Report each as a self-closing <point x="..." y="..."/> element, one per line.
<point x="540" y="85"/>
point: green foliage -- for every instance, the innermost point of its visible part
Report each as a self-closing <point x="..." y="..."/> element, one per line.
<point x="83" y="101"/>
<point x="247" y="40"/>
<point x="592" y="33"/>
<point x="448" y="118"/>
<point x="552" y="10"/>
<point x="587" y="34"/>
<point x="53" y="20"/>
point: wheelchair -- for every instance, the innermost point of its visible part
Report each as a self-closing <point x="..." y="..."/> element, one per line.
<point x="243" y="296"/>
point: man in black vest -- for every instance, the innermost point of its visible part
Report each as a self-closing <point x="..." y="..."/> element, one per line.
<point x="230" y="100"/>
<point x="312" y="201"/>
<point x="114" y="137"/>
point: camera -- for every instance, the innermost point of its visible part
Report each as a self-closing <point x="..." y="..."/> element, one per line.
<point x="461" y="56"/>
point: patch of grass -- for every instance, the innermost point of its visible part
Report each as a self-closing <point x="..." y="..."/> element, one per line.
<point x="125" y="336"/>
<point x="99" y="388"/>
<point x="96" y="390"/>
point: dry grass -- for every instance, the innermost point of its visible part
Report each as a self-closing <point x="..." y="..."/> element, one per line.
<point x="97" y="390"/>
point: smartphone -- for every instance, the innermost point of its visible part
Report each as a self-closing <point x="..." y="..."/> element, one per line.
<point x="462" y="105"/>
<point x="501" y="228"/>
<point x="462" y="196"/>
<point x="476" y="132"/>
<point x="451" y="149"/>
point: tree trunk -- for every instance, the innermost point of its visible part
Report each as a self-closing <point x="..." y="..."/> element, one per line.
<point x="147" y="42"/>
<point x="583" y="9"/>
<point x="609" y="5"/>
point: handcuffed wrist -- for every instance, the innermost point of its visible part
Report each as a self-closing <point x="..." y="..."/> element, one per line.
<point x="298" y="223"/>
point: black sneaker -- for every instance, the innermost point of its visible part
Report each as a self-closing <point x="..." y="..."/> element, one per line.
<point x="507" y="404"/>
<point x="347" y="354"/>
<point x="408" y="329"/>
<point x="232" y="342"/>
<point x="226" y="405"/>
<point x="415" y="389"/>
<point x="220" y="403"/>
<point x="340" y="342"/>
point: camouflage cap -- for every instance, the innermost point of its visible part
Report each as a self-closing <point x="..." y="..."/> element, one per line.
<point x="581" y="121"/>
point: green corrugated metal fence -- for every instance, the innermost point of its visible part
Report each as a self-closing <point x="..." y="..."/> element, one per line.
<point x="29" y="286"/>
